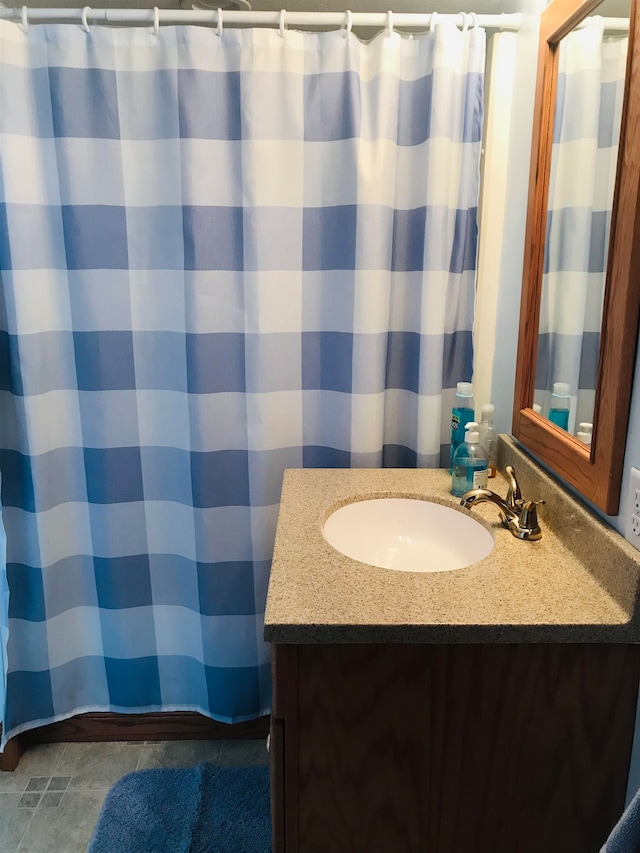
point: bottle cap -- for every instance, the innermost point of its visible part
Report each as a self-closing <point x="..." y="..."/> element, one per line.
<point x="488" y="409"/>
<point x="472" y="436"/>
<point x="585" y="432"/>
<point x="464" y="389"/>
<point x="561" y="389"/>
<point x="537" y="408"/>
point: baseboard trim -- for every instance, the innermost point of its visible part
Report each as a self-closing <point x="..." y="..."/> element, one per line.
<point x="170" y="725"/>
<point x="10" y="758"/>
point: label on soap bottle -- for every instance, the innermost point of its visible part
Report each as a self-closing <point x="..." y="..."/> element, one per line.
<point x="480" y="479"/>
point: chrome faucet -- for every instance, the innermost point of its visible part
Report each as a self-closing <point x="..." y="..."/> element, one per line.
<point x="518" y="515"/>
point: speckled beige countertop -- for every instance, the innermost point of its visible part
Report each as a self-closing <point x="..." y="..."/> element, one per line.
<point x="579" y="583"/>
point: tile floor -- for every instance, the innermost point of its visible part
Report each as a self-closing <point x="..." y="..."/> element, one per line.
<point x="50" y="804"/>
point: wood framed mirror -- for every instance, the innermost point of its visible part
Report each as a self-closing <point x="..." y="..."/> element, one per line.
<point x="595" y="470"/>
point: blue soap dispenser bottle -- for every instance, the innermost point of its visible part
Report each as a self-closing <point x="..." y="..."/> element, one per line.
<point x="470" y="463"/>
<point x="461" y="414"/>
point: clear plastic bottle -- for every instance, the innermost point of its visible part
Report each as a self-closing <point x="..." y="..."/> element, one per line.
<point x="488" y="436"/>
<point x="560" y="402"/>
<point x="461" y="414"/>
<point x="469" y="463"/>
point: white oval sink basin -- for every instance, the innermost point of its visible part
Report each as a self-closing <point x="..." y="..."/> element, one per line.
<point x="407" y="535"/>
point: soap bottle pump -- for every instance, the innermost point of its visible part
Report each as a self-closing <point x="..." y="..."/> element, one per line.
<point x="469" y="463"/>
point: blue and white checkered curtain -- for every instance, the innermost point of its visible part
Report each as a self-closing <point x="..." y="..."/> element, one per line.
<point x="4" y="614"/>
<point x="583" y="170"/>
<point x="221" y="256"/>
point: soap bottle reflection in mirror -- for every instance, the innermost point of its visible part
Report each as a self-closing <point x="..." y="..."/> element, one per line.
<point x="560" y="403"/>
<point x="585" y="433"/>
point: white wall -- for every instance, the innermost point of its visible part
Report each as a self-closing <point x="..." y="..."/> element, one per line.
<point x="632" y="453"/>
<point x="512" y="248"/>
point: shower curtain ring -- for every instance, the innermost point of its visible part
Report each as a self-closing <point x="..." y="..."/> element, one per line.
<point x="465" y="21"/>
<point x="389" y="24"/>
<point x="474" y="20"/>
<point x="219" y="21"/>
<point x="348" y="22"/>
<point x="283" y="12"/>
<point x="432" y="22"/>
<point x="25" y="19"/>
<point x="156" y="20"/>
<point x="83" y="19"/>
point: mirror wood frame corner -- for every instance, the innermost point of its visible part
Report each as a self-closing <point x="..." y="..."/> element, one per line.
<point x="596" y="472"/>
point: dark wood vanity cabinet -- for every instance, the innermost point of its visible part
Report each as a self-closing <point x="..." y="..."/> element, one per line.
<point x="401" y="748"/>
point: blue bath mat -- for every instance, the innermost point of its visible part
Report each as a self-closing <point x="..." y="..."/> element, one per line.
<point x="204" y="809"/>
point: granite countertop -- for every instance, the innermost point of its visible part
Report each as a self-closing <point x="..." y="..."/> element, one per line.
<point x="579" y="583"/>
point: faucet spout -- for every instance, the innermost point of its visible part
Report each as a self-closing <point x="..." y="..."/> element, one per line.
<point x="477" y="496"/>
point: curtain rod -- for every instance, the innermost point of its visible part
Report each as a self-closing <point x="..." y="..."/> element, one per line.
<point x="155" y="17"/>
<point x="619" y="25"/>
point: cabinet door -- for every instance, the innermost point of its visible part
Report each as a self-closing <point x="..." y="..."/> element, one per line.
<point x="459" y="749"/>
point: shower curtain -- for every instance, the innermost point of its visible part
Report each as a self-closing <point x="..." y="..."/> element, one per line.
<point x="591" y="78"/>
<point x="222" y="255"/>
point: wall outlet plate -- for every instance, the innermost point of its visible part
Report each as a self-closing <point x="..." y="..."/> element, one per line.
<point x="632" y="526"/>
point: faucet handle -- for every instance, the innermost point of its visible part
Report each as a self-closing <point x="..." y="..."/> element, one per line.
<point x="514" y="496"/>
<point x="529" y="514"/>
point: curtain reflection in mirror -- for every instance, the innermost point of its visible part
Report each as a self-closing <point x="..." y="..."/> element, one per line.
<point x="583" y="167"/>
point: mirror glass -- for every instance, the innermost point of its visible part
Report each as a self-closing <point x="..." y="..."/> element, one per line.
<point x="595" y="469"/>
<point x="592" y="62"/>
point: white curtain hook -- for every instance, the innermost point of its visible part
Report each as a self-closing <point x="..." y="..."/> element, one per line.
<point x="432" y="22"/>
<point x="25" y="19"/>
<point x="219" y="21"/>
<point x="465" y="21"/>
<point x="474" y="20"/>
<point x="283" y="12"/>
<point x="348" y="22"/>
<point x="389" y="24"/>
<point x="83" y="19"/>
<point x="156" y="20"/>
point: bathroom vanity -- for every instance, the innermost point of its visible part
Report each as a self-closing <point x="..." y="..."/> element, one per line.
<point x="489" y="709"/>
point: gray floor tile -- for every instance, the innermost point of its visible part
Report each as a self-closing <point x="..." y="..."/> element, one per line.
<point x="51" y="799"/>
<point x="179" y="753"/>
<point x="13" y="822"/>
<point x="9" y="801"/>
<point x="37" y="783"/>
<point x="29" y="801"/>
<point x="97" y="765"/>
<point x="66" y="829"/>
<point x="243" y="752"/>
<point x="40" y="760"/>
<point x="59" y="783"/>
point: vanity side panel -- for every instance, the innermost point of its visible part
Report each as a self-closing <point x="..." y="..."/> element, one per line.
<point x="463" y="749"/>
<point x="283" y="750"/>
